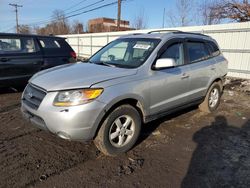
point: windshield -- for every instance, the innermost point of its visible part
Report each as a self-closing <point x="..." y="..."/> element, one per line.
<point x="125" y="53"/>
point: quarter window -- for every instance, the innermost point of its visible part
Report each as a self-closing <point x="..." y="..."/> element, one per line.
<point x="213" y="49"/>
<point x="175" y="51"/>
<point x="49" y="43"/>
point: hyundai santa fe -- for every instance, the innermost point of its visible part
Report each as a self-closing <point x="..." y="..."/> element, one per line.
<point x="129" y="82"/>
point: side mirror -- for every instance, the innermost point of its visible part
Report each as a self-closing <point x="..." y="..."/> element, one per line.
<point x="165" y="63"/>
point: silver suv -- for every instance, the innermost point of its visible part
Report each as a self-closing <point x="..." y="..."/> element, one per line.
<point x="131" y="81"/>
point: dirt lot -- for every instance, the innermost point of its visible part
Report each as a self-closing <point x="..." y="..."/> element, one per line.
<point x="188" y="149"/>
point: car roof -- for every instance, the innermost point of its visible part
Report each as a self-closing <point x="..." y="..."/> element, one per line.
<point x="162" y="34"/>
<point x="28" y="35"/>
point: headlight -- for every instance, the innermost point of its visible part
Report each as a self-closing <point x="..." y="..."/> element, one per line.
<point x="76" y="97"/>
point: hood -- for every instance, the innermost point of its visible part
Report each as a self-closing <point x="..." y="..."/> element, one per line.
<point x="79" y="75"/>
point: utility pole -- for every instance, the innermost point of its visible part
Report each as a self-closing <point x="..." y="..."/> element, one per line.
<point x="16" y="6"/>
<point x="119" y="15"/>
<point x="163" y="21"/>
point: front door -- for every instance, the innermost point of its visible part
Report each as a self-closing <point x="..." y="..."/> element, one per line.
<point x="20" y="58"/>
<point x="169" y="86"/>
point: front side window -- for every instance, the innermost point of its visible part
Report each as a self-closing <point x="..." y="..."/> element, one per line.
<point x="125" y="53"/>
<point x="174" y="51"/>
<point x="10" y="45"/>
<point x="197" y="51"/>
<point x="17" y="45"/>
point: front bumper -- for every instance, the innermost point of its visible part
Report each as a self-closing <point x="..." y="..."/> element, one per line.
<point x="72" y="123"/>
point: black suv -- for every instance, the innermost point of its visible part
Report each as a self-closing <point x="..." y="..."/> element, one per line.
<point x="21" y="56"/>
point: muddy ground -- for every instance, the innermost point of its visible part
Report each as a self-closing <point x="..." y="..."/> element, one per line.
<point x="187" y="149"/>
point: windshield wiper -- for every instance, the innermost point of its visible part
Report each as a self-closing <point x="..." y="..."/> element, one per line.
<point x="103" y="63"/>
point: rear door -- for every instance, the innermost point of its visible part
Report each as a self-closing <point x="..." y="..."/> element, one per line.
<point x="20" y="58"/>
<point x="200" y="68"/>
<point x="56" y="51"/>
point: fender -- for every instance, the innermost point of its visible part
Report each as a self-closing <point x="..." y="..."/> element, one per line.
<point x="118" y="100"/>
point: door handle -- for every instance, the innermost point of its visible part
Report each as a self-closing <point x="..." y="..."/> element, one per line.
<point x="4" y="59"/>
<point x="184" y="76"/>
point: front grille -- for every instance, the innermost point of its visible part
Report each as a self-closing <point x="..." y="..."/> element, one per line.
<point x="33" y="96"/>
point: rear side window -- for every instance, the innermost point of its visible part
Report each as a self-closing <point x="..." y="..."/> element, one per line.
<point x="197" y="51"/>
<point x="17" y="45"/>
<point x="214" y="49"/>
<point x="49" y="43"/>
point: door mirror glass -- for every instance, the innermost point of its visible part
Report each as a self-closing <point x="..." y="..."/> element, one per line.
<point x="165" y="63"/>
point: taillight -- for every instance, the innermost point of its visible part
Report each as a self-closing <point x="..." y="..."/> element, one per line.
<point x="73" y="54"/>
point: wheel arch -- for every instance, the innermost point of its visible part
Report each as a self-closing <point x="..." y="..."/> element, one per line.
<point x="134" y="101"/>
<point x="218" y="80"/>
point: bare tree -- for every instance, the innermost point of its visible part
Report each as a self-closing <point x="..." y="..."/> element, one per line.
<point x="77" y="27"/>
<point x="59" y="25"/>
<point x="24" y="29"/>
<point x="39" y="31"/>
<point x="140" y="21"/>
<point x="233" y="9"/>
<point x="181" y="14"/>
<point x="208" y="13"/>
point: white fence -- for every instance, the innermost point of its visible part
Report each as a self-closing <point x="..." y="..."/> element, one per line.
<point x="233" y="39"/>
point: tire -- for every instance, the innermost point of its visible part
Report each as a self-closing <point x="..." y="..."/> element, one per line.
<point x="119" y="131"/>
<point x="212" y="99"/>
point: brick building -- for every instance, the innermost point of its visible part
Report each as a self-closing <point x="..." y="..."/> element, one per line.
<point x="107" y="25"/>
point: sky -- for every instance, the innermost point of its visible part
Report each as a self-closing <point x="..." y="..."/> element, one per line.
<point x="41" y="10"/>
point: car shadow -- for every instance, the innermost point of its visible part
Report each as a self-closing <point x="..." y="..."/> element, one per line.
<point x="222" y="156"/>
<point x="149" y="128"/>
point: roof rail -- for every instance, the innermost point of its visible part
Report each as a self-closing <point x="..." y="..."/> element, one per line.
<point x="137" y="33"/>
<point x="193" y="33"/>
<point x="177" y="32"/>
<point x="163" y="30"/>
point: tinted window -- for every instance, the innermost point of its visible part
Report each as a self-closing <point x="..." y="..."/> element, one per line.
<point x="17" y="45"/>
<point x="214" y="49"/>
<point x="49" y="43"/>
<point x="197" y="51"/>
<point x="175" y="52"/>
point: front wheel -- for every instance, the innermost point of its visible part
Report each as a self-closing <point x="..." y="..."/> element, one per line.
<point x="212" y="99"/>
<point x="120" y="131"/>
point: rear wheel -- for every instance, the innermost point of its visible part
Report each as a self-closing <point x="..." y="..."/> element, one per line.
<point x="120" y="131"/>
<point x="212" y="99"/>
